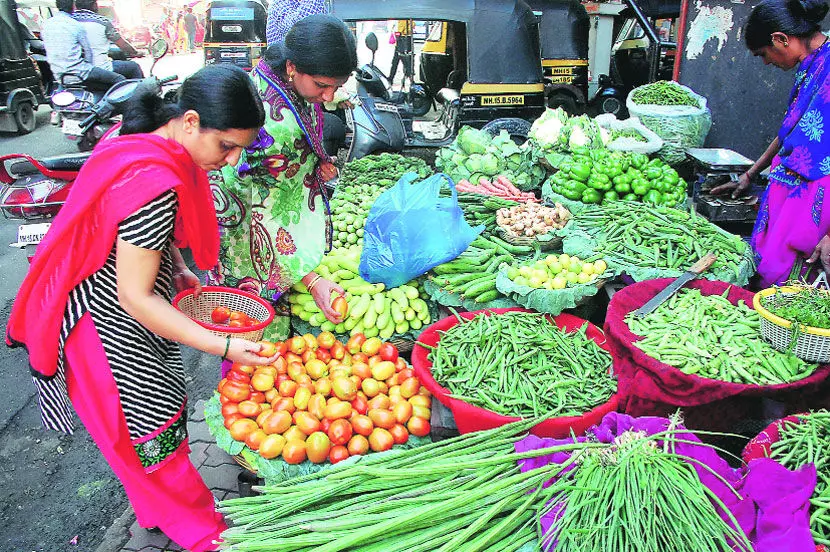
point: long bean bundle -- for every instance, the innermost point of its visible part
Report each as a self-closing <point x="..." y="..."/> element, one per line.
<point x="632" y="234"/>
<point x="663" y="93"/>
<point x="803" y="443"/>
<point x="460" y="495"/>
<point x="637" y="497"/>
<point x="709" y="336"/>
<point x="518" y="364"/>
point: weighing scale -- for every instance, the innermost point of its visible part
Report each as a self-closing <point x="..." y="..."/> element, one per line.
<point x="716" y="166"/>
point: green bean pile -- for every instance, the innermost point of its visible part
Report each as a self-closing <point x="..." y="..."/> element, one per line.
<point x="708" y="336"/>
<point x="810" y="306"/>
<point x="641" y="498"/>
<point x="799" y="445"/>
<point x="634" y="234"/>
<point x="518" y="364"/>
<point x="663" y="93"/>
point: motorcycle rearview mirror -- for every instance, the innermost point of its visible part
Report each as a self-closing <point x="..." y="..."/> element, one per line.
<point x="64" y="99"/>
<point x="372" y="42"/>
<point x="159" y="49"/>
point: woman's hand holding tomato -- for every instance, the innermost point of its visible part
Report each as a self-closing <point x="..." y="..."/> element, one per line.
<point x="247" y="352"/>
<point x="322" y="293"/>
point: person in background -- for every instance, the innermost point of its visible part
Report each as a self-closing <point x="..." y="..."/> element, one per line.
<point x="200" y="31"/>
<point x="283" y="14"/>
<point x="94" y="309"/>
<point x="181" y="34"/>
<point x="100" y="31"/>
<point x="190" y="28"/>
<point x="272" y="206"/>
<point x="403" y="51"/>
<point x="794" y="217"/>
<point x="69" y="52"/>
<point x="168" y="28"/>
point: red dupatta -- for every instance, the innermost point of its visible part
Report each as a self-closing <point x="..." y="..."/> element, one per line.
<point x="120" y="177"/>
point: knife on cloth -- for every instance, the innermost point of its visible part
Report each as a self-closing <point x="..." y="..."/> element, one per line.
<point x="696" y="270"/>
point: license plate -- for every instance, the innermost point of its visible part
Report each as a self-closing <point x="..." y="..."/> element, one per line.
<point x="232" y="55"/>
<point x="502" y="100"/>
<point x="31" y="234"/>
<point x="72" y="126"/>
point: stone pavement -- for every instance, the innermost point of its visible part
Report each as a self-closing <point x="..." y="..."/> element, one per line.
<point x="218" y="469"/>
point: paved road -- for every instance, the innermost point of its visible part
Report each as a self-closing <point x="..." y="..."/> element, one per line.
<point x="56" y="492"/>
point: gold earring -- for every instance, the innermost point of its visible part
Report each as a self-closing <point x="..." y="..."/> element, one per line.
<point x="290" y="77"/>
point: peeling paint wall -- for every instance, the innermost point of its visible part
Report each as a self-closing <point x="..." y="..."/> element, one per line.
<point x="747" y="98"/>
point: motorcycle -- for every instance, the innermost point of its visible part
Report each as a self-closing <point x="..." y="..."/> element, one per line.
<point x="75" y="105"/>
<point x="33" y="190"/>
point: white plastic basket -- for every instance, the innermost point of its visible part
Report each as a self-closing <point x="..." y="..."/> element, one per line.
<point x="812" y="344"/>
<point x="200" y="309"/>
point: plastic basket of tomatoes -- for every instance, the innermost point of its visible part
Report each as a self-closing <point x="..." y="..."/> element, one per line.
<point x="320" y="403"/>
<point x="227" y="311"/>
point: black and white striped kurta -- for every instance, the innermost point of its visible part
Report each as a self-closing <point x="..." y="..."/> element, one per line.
<point x="147" y="369"/>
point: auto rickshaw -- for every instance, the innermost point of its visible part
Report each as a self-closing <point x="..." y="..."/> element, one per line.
<point x="235" y="32"/>
<point x="485" y="68"/>
<point x="21" y="91"/>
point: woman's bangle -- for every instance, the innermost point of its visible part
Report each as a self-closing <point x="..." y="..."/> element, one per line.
<point x="227" y="346"/>
<point x="313" y="282"/>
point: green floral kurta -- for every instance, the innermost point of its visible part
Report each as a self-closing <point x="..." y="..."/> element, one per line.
<point x="270" y="207"/>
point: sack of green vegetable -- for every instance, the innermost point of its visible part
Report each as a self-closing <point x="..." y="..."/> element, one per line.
<point x="675" y="113"/>
<point x="724" y="364"/>
<point x="629" y="135"/>
<point x="572" y="366"/>
<point x="796" y="441"/>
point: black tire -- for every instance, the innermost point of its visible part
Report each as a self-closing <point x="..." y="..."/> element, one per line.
<point x="518" y="129"/>
<point x="24" y="116"/>
<point x="613" y="105"/>
<point x="565" y="101"/>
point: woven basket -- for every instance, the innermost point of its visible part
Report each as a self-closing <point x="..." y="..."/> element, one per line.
<point x="545" y="245"/>
<point x="812" y="344"/>
<point x="200" y="309"/>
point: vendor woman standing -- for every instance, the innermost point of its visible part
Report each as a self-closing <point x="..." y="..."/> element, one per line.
<point x="794" y="219"/>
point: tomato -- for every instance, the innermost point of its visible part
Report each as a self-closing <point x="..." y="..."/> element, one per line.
<point x="381" y="418"/>
<point x="223" y="400"/>
<point x="380" y="402"/>
<point x="360" y="405"/>
<point x="229" y="420"/>
<point x="420" y="400"/>
<point x="340" y="432"/>
<point x="236" y="391"/>
<point x="262" y="381"/>
<point x="325" y="424"/>
<point x="237" y="315"/>
<point x="260" y="420"/>
<point x="316" y="369"/>
<point x="374" y="360"/>
<point x="230" y="408"/>
<point x="360" y="357"/>
<point x="258" y="397"/>
<point x="286" y="404"/>
<point x="278" y="422"/>
<point x="393" y="380"/>
<point x="308" y="354"/>
<point x="389" y="352"/>
<point x="317" y="406"/>
<point x="339" y="372"/>
<point x="424" y="392"/>
<point x="295" y="370"/>
<point x="281" y="378"/>
<point x="236" y="324"/>
<point x="237" y="376"/>
<point x="241" y="428"/>
<point x="362" y="425"/>
<point x="383" y="370"/>
<point x="383" y="387"/>
<point x="288" y="388"/>
<point x="306" y="421"/>
<point x="405" y="374"/>
<point x="294" y="452"/>
<point x="371" y="346"/>
<point x="421" y="412"/>
<point x="338" y="410"/>
<point x="418" y="426"/>
<point x="323" y="387"/>
<point x="410" y="387"/>
<point x="282" y="347"/>
<point x="380" y="440"/>
<point x="400" y="364"/>
<point x="338" y="351"/>
<point x="402" y="412"/>
<point x="291" y="357"/>
<point x="304" y="380"/>
<point x="344" y="389"/>
<point x="338" y="454"/>
<point x="323" y="354"/>
<point x="248" y="322"/>
<point x="340" y="306"/>
<point x="393" y="391"/>
<point x="399" y="434"/>
<point x="297" y="345"/>
<point x="362" y="370"/>
<point x="281" y="365"/>
<point x="358" y="445"/>
<point x="301" y="398"/>
<point x="272" y="394"/>
<point x="354" y="343"/>
<point x="255" y="439"/>
<point x="271" y="446"/>
<point x="394" y="400"/>
<point x="249" y="409"/>
<point x="294" y="434"/>
<point x="244" y="368"/>
<point x="317" y="447"/>
<point x="220" y="315"/>
<point x="326" y="340"/>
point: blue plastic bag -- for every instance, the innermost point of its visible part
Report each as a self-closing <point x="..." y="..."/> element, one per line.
<point x="410" y="229"/>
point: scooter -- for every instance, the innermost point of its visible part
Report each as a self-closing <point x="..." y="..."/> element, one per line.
<point x="34" y="190"/>
<point x="75" y="104"/>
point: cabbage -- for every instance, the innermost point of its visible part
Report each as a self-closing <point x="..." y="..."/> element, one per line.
<point x="490" y="164"/>
<point x="474" y="163"/>
<point x="472" y="141"/>
<point x="547" y="129"/>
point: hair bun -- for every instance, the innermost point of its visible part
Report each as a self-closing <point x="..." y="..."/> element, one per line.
<point x="812" y="10"/>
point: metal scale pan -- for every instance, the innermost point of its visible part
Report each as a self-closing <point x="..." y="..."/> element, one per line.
<point x="716" y="166"/>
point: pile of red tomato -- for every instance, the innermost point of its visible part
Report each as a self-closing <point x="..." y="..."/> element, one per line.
<point x="234" y="319"/>
<point x="323" y="401"/>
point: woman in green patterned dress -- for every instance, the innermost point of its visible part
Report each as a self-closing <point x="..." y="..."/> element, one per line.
<point x="272" y="208"/>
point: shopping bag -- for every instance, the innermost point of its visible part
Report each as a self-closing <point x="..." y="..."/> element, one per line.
<point x="410" y="229"/>
<point x="393" y="39"/>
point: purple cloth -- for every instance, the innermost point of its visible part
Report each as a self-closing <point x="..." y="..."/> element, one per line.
<point x="226" y="367"/>
<point x="775" y="517"/>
